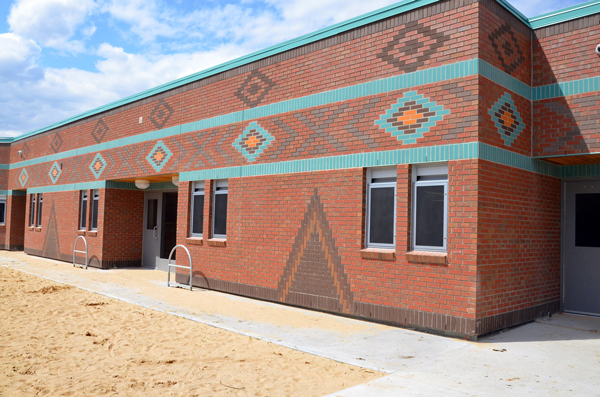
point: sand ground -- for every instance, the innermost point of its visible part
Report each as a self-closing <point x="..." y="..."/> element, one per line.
<point x="58" y="340"/>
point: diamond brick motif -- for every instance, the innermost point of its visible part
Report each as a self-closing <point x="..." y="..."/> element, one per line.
<point x="161" y="114"/>
<point x="24" y="151"/>
<point x="507" y="119"/>
<point x="56" y="142"/>
<point x="98" y="165"/>
<point x="55" y="172"/>
<point x="23" y="177"/>
<point x="99" y="131"/>
<point x="411" y="117"/>
<point x="253" y="141"/>
<point x="254" y="88"/>
<point x="159" y="156"/>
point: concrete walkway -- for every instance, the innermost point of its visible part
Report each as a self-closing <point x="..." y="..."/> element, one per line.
<point x="555" y="356"/>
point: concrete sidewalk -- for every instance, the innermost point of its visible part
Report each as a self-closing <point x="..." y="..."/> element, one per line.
<point x="557" y="356"/>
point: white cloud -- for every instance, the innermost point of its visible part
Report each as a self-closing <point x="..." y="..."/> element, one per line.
<point x="18" y="57"/>
<point x="532" y="8"/>
<point x="51" y="23"/>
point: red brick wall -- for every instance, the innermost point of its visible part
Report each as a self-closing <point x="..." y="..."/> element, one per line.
<point x="348" y="59"/>
<point x="60" y="224"/>
<point x="562" y="53"/>
<point x="123" y="227"/>
<point x="518" y="250"/>
<point x="15" y="222"/>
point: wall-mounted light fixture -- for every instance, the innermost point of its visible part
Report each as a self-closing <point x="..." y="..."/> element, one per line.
<point x="175" y="180"/>
<point x="142" y="184"/>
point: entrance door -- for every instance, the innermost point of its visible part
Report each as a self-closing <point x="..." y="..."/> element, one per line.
<point x="581" y="264"/>
<point x="160" y="229"/>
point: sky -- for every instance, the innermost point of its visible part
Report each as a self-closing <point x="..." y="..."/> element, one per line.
<point x="60" y="58"/>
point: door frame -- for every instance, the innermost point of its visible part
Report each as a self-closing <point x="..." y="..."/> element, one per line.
<point x="174" y="190"/>
<point x="563" y="210"/>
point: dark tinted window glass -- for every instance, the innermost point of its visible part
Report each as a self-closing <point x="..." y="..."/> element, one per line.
<point x="381" y="227"/>
<point x="169" y="225"/>
<point x="32" y="210"/>
<point x="587" y="220"/>
<point x="152" y="215"/>
<point x="220" y="214"/>
<point x="95" y="214"/>
<point x="39" y="212"/>
<point x="83" y="214"/>
<point x="198" y="215"/>
<point x="430" y="216"/>
<point x="2" y="212"/>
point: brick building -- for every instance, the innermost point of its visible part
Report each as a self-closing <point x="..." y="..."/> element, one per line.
<point x="429" y="165"/>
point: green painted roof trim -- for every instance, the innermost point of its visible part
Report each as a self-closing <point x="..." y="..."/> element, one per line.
<point x="564" y="15"/>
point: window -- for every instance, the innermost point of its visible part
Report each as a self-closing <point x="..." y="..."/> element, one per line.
<point x="381" y="208"/>
<point x="83" y="210"/>
<point x="2" y="210"/>
<point x="198" y="209"/>
<point x="430" y="208"/>
<point x="94" y="223"/>
<point x="32" y="210"/>
<point x="220" y="209"/>
<point x="39" y="210"/>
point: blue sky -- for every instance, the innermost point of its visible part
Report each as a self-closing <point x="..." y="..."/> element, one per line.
<point x="59" y="58"/>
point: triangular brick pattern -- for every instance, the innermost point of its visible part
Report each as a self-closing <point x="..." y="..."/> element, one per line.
<point x="314" y="275"/>
<point x="411" y="117"/>
<point x="507" y="119"/>
<point x="51" y="242"/>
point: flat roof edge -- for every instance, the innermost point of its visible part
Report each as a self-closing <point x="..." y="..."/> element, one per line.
<point x="565" y="14"/>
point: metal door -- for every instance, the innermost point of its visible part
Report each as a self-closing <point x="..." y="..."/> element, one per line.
<point x="581" y="261"/>
<point x="152" y="229"/>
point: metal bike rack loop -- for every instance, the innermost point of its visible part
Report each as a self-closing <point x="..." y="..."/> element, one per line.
<point x="180" y="267"/>
<point x="80" y="252"/>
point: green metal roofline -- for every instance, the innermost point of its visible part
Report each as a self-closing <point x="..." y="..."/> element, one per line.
<point x="566" y="14"/>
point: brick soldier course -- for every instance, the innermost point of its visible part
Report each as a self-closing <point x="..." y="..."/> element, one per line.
<point x="505" y="106"/>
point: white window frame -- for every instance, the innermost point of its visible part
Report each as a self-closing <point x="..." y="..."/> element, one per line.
<point x="220" y="187"/>
<point x="95" y="198"/>
<point x="200" y="186"/>
<point x="83" y="203"/>
<point x="38" y="215"/>
<point x="380" y="173"/>
<point x="429" y="170"/>
<point x="32" y="207"/>
<point x="3" y="200"/>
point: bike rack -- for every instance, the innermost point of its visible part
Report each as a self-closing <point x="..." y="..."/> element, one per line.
<point x="180" y="267"/>
<point x="80" y="252"/>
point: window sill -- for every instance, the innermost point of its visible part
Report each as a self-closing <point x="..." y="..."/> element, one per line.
<point x="436" y="258"/>
<point x="81" y="232"/>
<point x="194" y="240"/>
<point x="92" y="234"/>
<point x="381" y="254"/>
<point x="38" y="229"/>
<point x="2" y="225"/>
<point x="30" y="228"/>
<point x="217" y="242"/>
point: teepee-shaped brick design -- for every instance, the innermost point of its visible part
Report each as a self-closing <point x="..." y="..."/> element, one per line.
<point x="314" y="275"/>
<point x="51" y="243"/>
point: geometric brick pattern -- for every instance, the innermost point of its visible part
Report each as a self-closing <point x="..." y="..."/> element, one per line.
<point x="99" y="131"/>
<point x="24" y="151"/>
<point x="56" y="142"/>
<point x="51" y="247"/>
<point x="161" y="114"/>
<point x="507" y="119"/>
<point x="314" y="266"/>
<point x="253" y="141"/>
<point x="55" y="172"/>
<point x="411" y="117"/>
<point x="23" y="177"/>
<point x="507" y="49"/>
<point x="159" y="156"/>
<point x="409" y="55"/>
<point x="254" y="88"/>
<point x="98" y="165"/>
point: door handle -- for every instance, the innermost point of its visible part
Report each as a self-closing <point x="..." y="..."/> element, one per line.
<point x="156" y="232"/>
